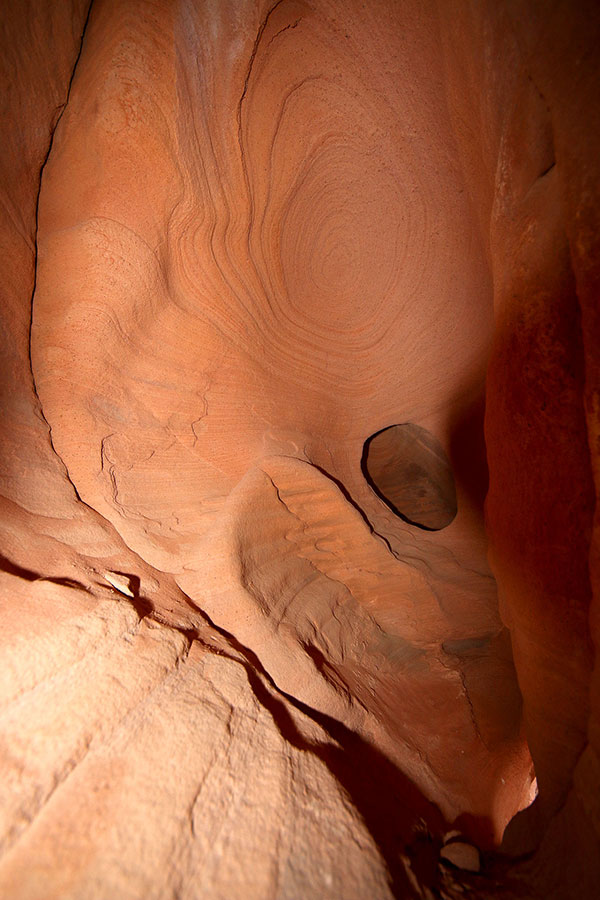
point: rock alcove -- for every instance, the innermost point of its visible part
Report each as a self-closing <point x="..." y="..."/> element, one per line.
<point x="408" y="469"/>
<point x="238" y="238"/>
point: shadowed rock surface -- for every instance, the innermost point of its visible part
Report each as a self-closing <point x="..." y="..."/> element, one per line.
<point x="409" y="470"/>
<point x="252" y="254"/>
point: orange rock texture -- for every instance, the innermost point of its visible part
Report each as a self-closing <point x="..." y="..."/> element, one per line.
<point x="300" y="449"/>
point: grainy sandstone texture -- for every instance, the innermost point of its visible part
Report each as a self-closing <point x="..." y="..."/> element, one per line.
<point x="257" y="641"/>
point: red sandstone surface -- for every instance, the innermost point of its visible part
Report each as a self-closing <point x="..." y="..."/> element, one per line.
<point x="300" y="449"/>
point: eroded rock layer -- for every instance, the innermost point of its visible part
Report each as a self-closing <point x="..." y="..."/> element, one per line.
<point x="254" y="253"/>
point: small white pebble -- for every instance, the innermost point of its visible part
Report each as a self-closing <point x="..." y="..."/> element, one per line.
<point x="451" y="834"/>
<point x="120" y="583"/>
<point x="463" y="856"/>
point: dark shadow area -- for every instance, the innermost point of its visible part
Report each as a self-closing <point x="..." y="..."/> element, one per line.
<point x="539" y="515"/>
<point x="6" y="565"/>
<point x="469" y="458"/>
<point x="468" y="452"/>
<point x="399" y="818"/>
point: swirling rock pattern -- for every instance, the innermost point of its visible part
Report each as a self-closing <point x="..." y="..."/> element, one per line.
<point x="247" y="237"/>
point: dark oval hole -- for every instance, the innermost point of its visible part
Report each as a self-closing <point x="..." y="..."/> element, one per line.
<point x="407" y="468"/>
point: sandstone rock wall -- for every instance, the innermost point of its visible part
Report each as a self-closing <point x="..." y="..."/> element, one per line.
<point x="239" y="240"/>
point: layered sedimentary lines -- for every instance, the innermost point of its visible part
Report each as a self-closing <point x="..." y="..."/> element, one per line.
<point x="268" y="281"/>
<point x="326" y="174"/>
<point x="242" y="294"/>
<point x="261" y="266"/>
<point x="230" y="284"/>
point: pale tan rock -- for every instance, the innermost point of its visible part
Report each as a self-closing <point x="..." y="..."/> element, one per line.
<point x="121" y="583"/>
<point x="144" y="769"/>
<point x="463" y="856"/>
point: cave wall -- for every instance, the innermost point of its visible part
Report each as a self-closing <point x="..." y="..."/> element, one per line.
<point x="541" y="412"/>
<point x="239" y="240"/>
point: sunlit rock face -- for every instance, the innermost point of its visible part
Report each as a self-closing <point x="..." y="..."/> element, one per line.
<point x="299" y="450"/>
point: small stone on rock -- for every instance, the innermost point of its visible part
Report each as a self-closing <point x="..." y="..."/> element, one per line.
<point x="120" y="583"/>
<point x="463" y="856"/>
